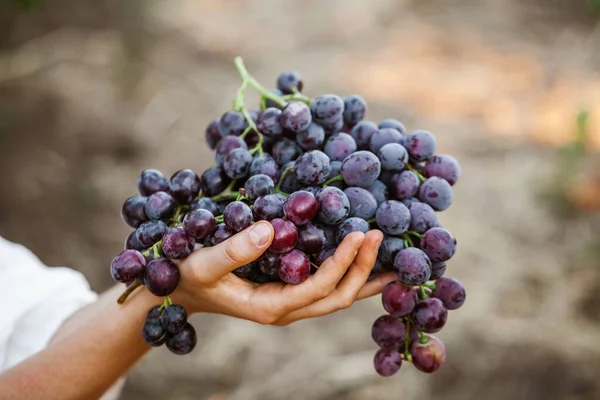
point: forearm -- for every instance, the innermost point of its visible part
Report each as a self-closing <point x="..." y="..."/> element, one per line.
<point x="90" y="352"/>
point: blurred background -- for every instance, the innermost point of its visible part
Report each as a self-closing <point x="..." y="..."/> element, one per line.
<point x="93" y="91"/>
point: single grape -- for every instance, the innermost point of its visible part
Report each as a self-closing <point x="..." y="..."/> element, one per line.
<point x="237" y="163"/>
<point x="413" y="266"/>
<point x="232" y="123"/>
<point x="388" y="332"/>
<point x="184" y="186"/>
<point x="394" y="124"/>
<point x="339" y="146"/>
<point x="398" y="300"/>
<point x="153" y="315"/>
<point x="327" y="109"/>
<point x="268" y="123"/>
<point x="268" y="263"/>
<point x="362" y="203"/>
<point x="362" y="133"/>
<point x="311" y="238"/>
<point x="311" y="138"/>
<point x="205" y="203"/>
<point x="350" y="225"/>
<point x="286" y="150"/>
<point x="132" y="243"/>
<point x="404" y="185"/>
<point x="182" y="342"/>
<point x="225" y="146"/>
<point x="132" y="212"/>
<point x="420" y="145"/>
<point x="151" y="232"/>
<point x="439" y="244"/>
<point x="199" y="223"/>
<point x="430" y="356"/>
<point x="293" y="267"/>
<point x="390" y="246"/>
<point x="330" y="235"/>
<point x="237" y="216"/>
<point x="436" y="192"/>
<point x="289" y="182"/>
<point x="360" y="169"/>
<point x="285" y="237"/>
<point x="271" y="103"/>
<point x="177" y="244"/>
<point x="300" y="207"/>
<point x="355" y="108"/>
<point x="334" y="206"/>
<point x="383" y="137"/>
<point x="222" y="233"/>
<point x="128" y="266"/>
<point x="451" y="292"/>
<point x="387" y="362"/>
<point x="324" y="255"/>
<point x="295" y="117"/>
<point x="243" y="271"/>
<point x="154" y="334"/>
<point x="259" y="185"/>
<point x="430" y="315"/>
<point x="152" y="181"/>
<point x="393" y="217"/>
<point x="213" y="181"/>
<point x="443" y="166"/>
<point x="290" y="82"/>
<point x="379" y="191"/>
<point x="265" y="165"/>
<point x="212" y="134"/>
<point x="160" y="205"/>
<point x="174" y="318"/>
<point x="393" y="157"/>
<point x="269" y="207"/>
<point x="312" y="168"/>
<point x="422" y="217"/>
<point x="438" y="269"/>
<point x="162" y="277"/>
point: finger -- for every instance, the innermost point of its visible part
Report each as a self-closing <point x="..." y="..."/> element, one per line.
<point x="376" y="285"/>
<point x="212" y="263"/>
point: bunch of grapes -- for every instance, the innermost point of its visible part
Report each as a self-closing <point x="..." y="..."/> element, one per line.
<point x="317" y="171"/>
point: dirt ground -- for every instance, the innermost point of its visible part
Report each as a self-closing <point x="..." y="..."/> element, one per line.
<point x="89" y="99"/>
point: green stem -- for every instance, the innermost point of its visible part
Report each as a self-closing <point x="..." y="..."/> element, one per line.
<point x="422" y="293"/>
<point x="421" y="177"/>
<point x="219" y="219"/>
<point x="298" y="97"/>
<point x="227" y="193"/>
<point x="372" y="220"/>
<point x="283" y="175"/>
<point x="335" y="178"/>
<point x="422" y="338"/>
<point x="249" y="80"/>
<point x="430" y="286"/>
<point x="415" y="234"/>
<point x="127" y="292"/>
<point x="405" y="242"/>
<point x="155" y="250"/>
<point x="407" y="355"/>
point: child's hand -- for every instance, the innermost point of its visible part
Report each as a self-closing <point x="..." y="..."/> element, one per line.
<point x="207" y="284"/>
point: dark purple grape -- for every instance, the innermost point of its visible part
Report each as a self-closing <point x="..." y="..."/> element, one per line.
<point x="174" y="318"/>
<point x="436" y="192"/>
<point x="355" y="108"/>
<point x="177" y="244"/>
<point x="161" y="277"/>
<point x="428" y="357"/>
<point x="398" y="300"/>
<point x="184" y="186"/>
<point x="243" y="271"/>
<point x="199" y="223"/>
<point x="266" y="165"/>
<point x="393" y="217"/>
<point x="289" y="181"/>
<point x="339" y="146"/>
<point x="183" y="342"/>
<point x="383" y="137"/>
<point x="160" y="205"/>
<point x="413" y="266"/>
<point x="232" y="123"/>
<point x="438" y="269"/>
<point x="290" y="82"/>
<point x="439" y="244"/>
<point x="268" y="123"/>
<point x="443" y="166"/>
<point x="324" y="255"/>
<point x="394" y="124"/>
<point x="360" y="169"/>
<point x="330" y="235"/>
<point x="390" y="246"/>
<point x="128" y="266"/>
<point x="212" y="134"/>
<point x="387" y="362"/>
<point x="300" y="207"/>
<point x="132" y="212"/>
<point x="379" y="191"/>
<point x="131" y="243"/>
<point x="285" y="237"/>
<point x="256" y="276"/>
<point x="422" y="217"/>
<point x="393" y="157"/>
<point x="404" y="185"/>
<point x="153" y="315"/>
<point x="151" y="232"/>
<point x="451" y="292"/>
<point x="430" y="315"/>
<point x="362" y="203"/>
<point x="259" y="185"/>
<point x="286" y="150"/>
<point x="295" y="117"/>
<point x="225" y="146"/>
<point x="388" y="332"/>
<point x="311" y="138"/>
<point x="311" y="238"/>
<point x="293" y="267"/>
<point x="222" y="233"/>
<point x="350" y="225"/>
<point x="154" y="334"/>
<point x="205" y="203"/>
<point x="237" y="216"/>
<point x="271" y="103"/>
<point x="377" y="269"/>
<point x="362" y="133"/>
<point x="237" y="163"/>
<point x="268" y="263"/>
<point x="269" y="207"/>
<point x="213" y="181"/>
<point x="312" y="168"/>
<point x="420" y="145"/>
<point x="327" y="109"/>
<point x="151" y="181"/>
<point x="334" y="206"/>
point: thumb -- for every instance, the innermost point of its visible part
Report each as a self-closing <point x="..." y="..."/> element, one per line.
<point x="212" y="263"/>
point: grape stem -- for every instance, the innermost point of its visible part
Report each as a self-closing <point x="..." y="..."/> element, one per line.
<point x="407" y="240"/>
<point x="415" y="234"/>
<point x="283" y="175"/>
<point x="430" y="286"/>
<point x="227" y="194"/>
<point x="407" y="355"/>
<point x="130" y="289"/>
<point x="166" y="303"/>
<point x="219" y="219"/>
<point x="335" y="178"/>
<point x="421" y="177"/>
<point x="298" y="97"/>
<point x="422" y="338"/>
<point x="249" y="80"/>
<point x="422" y="293"/>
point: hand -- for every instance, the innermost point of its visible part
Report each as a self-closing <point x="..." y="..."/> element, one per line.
<point x="207" y="284"/>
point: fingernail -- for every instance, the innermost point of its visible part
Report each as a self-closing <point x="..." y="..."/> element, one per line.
<point x="260" y="234"/>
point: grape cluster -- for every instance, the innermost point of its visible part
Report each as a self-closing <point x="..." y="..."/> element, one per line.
<point x="317" y="171"/>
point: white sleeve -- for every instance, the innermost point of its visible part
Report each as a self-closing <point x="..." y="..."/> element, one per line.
<point x="36" y="301"/>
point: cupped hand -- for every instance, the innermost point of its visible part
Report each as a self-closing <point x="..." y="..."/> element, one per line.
<point x="207" y="284"/>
